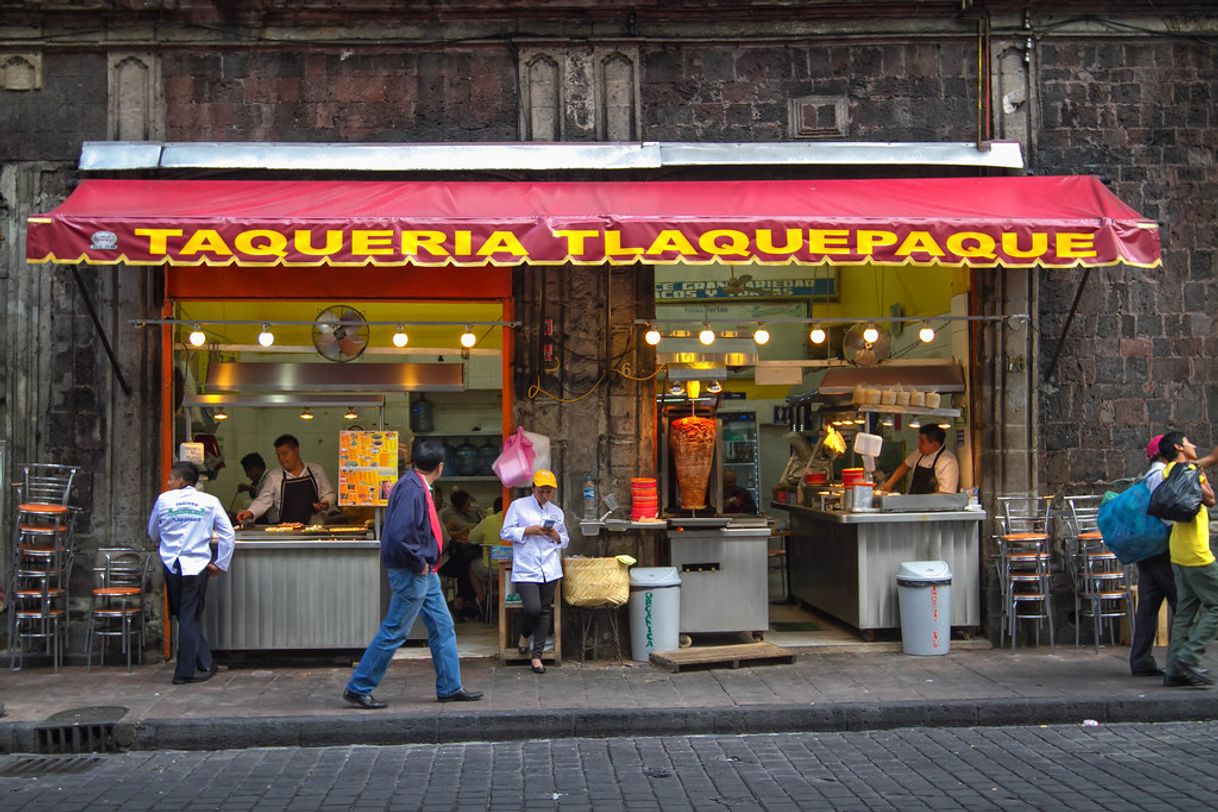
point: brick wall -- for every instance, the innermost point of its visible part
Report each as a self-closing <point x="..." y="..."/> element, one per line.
<point x="49" y="124"/>
<point x="1138" y="359"/>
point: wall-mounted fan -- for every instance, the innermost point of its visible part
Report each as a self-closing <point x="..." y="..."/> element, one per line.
<point x="340" y="333"/>
<point x="857" y="350"/>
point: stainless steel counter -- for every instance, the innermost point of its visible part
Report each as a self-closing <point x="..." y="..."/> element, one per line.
<point x="846" y="563"/>
<point x="294" y="594"/>
<point x="724" y="585"/>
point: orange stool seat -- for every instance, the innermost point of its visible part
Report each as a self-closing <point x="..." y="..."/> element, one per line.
<point x="1091" y="535"/>
<point x="37" y="593"/>
<point x="116" y="591"/>
<point x="40" y="508"/>
<point x="1025" y="537"/>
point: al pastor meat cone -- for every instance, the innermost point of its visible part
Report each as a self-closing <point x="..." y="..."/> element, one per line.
<point x="692" y="440"/>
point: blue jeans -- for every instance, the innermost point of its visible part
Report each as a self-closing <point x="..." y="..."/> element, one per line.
<point x="412" y="594"/>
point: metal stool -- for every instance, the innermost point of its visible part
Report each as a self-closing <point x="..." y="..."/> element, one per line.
<point x="120" y="577"/>
<point x="1025" y="564"/>
<point x="593" y="621"/>
<point x="1103" y="588"/>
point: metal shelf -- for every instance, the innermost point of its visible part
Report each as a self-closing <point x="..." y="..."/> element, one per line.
<point x="915" y="410"/>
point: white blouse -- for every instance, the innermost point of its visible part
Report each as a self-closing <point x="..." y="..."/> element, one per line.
<point x="535" y="559"/>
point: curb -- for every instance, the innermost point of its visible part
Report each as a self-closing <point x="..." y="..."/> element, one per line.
<point x="379" y="728"/>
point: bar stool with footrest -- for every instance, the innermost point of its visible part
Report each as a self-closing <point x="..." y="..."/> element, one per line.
<point x="1103" y="589"/>
<point x="117" y="610"/>
<point x="42" y="560"/>
<point x="1025" y="564"/>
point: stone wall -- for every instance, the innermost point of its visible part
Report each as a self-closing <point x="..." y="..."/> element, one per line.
<point x="1143" y="115"/>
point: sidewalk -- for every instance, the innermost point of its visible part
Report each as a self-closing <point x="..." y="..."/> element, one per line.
<point x="246" y="707"/>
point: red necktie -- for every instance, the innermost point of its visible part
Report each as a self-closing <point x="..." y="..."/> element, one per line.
<point x="431" y="514"/>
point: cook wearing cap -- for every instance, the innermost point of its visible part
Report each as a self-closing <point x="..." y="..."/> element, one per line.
<point x="535" y="527"/>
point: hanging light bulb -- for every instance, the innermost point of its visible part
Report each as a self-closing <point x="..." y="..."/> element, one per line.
<point x="887" y="423"/>
<point x="707" y="336"/>
<point x="266" y="338"/>
<point x="915" y="424"/>
<point x="761" y="335"/>
<point x="400" y="339"/>
<point x="468" y="339"/>
<point x="197" y="337"/>
<point x="818" y="334"/>
<point x="927" y="333"/>
<point x="714" y="387"/>
<point x="220" y="414"/>
<point x="307" y="414"/>
<point x="676" y="388"/>
<point x="351" y="414"/>
<point x="871" y="333"/>
<point x="652" y="336"/>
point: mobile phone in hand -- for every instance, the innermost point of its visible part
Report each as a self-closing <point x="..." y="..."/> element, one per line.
<point x="547" y="523"/>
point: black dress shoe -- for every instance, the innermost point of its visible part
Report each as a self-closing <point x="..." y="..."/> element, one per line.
<point x="198" y="676"/>
<point x="1199" y="675"/>
<point x="1148" y="672"/>
<point x="537" y="669"/>
<point x="1182" y="680"/>
<point x="364" y="701"/>
<point x="461" y="696"/>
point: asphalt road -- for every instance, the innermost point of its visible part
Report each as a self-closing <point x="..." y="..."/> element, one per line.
<point x="1116" y="767"/>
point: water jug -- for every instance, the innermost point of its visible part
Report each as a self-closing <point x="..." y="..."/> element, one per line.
<point x="487" y="454"/>
<point x="421" y="416"/>
<point x="467" y="459"/>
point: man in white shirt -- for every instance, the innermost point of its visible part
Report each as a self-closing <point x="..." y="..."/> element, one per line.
<point x="182" y="523"/>
<point x="294" y="491"/>
<point x="935" y="469"/>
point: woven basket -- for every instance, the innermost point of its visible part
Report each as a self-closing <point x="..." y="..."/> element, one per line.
<point x="595" y="581"/>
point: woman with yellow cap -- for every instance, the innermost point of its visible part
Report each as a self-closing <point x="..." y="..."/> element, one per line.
<point x="535" y="527"/>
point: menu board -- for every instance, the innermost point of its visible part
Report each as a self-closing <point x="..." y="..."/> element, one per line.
<point x="367" y="467"/>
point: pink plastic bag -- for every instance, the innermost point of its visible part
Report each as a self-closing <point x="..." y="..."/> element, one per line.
<point x="514" y="466"/>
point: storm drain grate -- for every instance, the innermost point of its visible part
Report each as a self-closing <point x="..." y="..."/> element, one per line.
<point x="32" y="766"/>
<point x="80" y="730"/>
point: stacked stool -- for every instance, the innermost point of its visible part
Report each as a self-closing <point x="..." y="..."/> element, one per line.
<point x="42" y="562"/>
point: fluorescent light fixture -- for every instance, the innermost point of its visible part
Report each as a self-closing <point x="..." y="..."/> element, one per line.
<point x="266" y="338"/>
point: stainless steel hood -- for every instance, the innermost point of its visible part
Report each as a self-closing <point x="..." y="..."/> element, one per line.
<point x="244" y="377"/>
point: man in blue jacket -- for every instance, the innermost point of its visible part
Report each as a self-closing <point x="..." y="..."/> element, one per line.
<point x="411" y="543"/>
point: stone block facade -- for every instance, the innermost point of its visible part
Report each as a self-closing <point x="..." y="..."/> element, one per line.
<point x="1133" y="101"/>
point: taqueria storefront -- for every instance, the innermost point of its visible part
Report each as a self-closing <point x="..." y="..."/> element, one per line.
<point x="433" y="261"/>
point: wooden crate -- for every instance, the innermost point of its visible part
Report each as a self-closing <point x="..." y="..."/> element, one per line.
<point x="746" y="654"/>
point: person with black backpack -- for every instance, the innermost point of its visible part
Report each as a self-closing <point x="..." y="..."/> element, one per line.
<point x="1195" y="622"/>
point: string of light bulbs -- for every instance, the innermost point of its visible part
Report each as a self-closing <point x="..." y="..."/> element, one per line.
<point x="818" y="334"/>
<point x="266" y="337"/>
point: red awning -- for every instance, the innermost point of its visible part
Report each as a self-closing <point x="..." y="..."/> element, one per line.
<point x="1055" y="222"/>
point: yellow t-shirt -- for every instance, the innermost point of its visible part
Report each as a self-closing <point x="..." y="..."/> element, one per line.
<point x="1190" y="541"/>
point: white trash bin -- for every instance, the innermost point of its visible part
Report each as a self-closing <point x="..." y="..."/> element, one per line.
<point x="655" y="611"/>
<point x="925" y="597"/>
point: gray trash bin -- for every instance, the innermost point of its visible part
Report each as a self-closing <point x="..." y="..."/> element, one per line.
<point x="655" y="611"/>
<point x="925" y="597"/>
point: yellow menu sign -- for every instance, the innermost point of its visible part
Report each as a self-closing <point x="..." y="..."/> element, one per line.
<point x="367" y="467"/>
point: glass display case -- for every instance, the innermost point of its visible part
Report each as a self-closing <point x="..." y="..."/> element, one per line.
<point x="742" y="453"/>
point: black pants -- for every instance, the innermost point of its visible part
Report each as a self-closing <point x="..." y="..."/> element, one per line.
<point x="536" y="609"/>
<point x="1156" y="581"/>
<point x="186" y="594"/>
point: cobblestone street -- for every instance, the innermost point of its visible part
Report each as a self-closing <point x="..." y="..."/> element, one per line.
<point x="1112" y="767"/>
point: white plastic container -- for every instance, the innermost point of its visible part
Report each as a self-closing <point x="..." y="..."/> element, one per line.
<point x="924" y="593"/>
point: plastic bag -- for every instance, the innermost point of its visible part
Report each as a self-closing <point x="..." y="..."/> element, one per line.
<point x="514" y="466"/>
<point x="541" y="450"/>
<point x="1178" y="499"/>
<point x="1128" y="530"/>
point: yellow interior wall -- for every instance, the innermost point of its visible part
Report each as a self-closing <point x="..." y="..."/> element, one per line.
<point x="868" y="290"/>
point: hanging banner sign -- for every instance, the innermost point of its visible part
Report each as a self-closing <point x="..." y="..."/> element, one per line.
<point x="300" y="223"/>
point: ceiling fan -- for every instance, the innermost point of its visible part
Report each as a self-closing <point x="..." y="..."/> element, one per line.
<point x="740" y="284"/>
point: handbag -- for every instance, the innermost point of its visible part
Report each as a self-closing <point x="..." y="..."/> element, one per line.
<point x="1128" y="530"/>
<point x="1178" y="499"/>
<point x="514" y="466"/>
